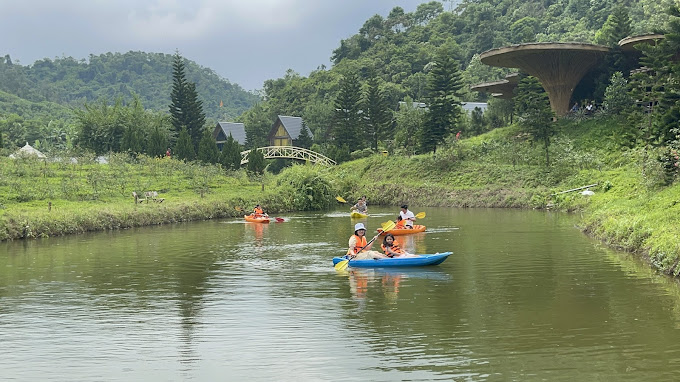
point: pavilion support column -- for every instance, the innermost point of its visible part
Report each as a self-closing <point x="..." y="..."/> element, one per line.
<point x="560" y="74"/>
<point x="558" y="66"/>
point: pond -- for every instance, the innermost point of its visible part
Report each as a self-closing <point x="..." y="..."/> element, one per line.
<point x="525" y="296"/>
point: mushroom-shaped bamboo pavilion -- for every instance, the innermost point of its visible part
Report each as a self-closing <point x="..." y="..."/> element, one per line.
<point x="629" y="43"/>
<point x="499" y="89"/>
<point x="558" y="66"/>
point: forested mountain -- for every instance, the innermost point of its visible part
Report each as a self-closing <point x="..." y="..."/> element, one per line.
<point x="70" y="82"/>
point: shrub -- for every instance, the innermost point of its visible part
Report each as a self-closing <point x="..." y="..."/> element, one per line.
<point x="309" y="189"/>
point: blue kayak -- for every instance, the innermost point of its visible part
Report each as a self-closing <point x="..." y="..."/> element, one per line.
<point x="419" y="261"/>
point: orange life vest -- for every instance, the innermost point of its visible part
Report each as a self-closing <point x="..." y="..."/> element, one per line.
<point x="400" y="224"/>
<point x="361" y="242"/>
<point x="395" y="248"/>
<point x="258" y="211"/>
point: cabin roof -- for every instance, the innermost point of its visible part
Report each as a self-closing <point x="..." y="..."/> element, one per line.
<point x="237" y="131"/>
<point x="293" y="125"/>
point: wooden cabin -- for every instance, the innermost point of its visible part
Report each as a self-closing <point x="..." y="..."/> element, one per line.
<point x="285" y="131"/>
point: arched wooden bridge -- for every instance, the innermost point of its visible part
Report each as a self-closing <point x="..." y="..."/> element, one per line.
<point x="291" y="152"/>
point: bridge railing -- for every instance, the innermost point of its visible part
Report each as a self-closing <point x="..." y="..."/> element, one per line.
<point x="291" y="152"/>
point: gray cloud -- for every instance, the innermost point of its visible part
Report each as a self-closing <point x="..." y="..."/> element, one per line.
<point x="245" y="41"/>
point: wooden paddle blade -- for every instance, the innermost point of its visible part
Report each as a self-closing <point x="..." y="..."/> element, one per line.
<point x="420" y="215"/>
<point x="388" y="225"/>
<point x="341" y="200"/>
<point x="342" y="265"/>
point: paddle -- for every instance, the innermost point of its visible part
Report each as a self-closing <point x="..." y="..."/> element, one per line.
<point x="341" y="200"/>
<point x="386" y="226"/>
<point x="420" y="215"/>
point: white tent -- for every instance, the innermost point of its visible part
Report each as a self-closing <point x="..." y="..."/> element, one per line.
<point x="27" y="151"/>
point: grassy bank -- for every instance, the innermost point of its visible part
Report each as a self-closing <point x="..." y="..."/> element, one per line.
<point x="50" y="198"/>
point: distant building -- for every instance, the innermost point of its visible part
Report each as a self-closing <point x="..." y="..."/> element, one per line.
<point x="467" y="106"/>
<point x="285" y="131"/>
<point x="470" y="106"/>
<point x="223" y="129"/>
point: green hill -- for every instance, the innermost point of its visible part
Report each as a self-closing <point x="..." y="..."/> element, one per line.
<point x="69" y="82"/>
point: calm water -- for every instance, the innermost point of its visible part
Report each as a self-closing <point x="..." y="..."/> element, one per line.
<point x="524" y="297"/>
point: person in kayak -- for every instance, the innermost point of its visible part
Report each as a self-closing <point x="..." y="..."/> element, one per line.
<point x="257" y="211"/>
<point x="359" y="249"/>
<point x="360" y="206"/>
<point x="392" y="248"/>
<point x="399" y="223"/>
<point x="407" y="216"/>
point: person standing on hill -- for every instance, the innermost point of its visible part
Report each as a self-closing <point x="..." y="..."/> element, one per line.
<point x="407" y="216"/>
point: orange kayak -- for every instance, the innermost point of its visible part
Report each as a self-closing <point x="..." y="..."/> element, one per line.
<point x="259" y="219"/>
<point x="405" y="231"/>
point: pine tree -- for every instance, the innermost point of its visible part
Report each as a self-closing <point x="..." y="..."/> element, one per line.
<point x="186" y="110"/>
<point x="178" y="94"/>
<point x="656" y="90"/>
<point x="184" y="149"/>
<point x="158" y="142"/>
<point x="534" y="112"/>
<point x="207" y="148"/>
<point x="304" y="140"/>
<point x="230" y="157"/>
<point x="377" y="116"/>
<point x="668" y="70"/>
<point x="346" y="119"/>
<point x="616" y="28"/>
<point x="616" y="97"/>
<point x="444" y="85"/>
<point x="257" y="123"/>
<point x="410" y="120"/>
<point x="133" y="139"/>
<point x="256" y="162"/>
<point x="195" y="114"/>
<point x="477" y="121"/>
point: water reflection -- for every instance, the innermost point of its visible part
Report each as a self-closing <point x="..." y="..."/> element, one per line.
<point x="256" y="232"/>
<point x="387" y="281"/>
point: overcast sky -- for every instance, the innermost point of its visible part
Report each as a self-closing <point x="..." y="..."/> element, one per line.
<point x="245" y="41"/>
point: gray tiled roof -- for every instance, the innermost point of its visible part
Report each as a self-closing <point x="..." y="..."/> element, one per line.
<point x="237" y="130"/>
<point x="292" y="124"/>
